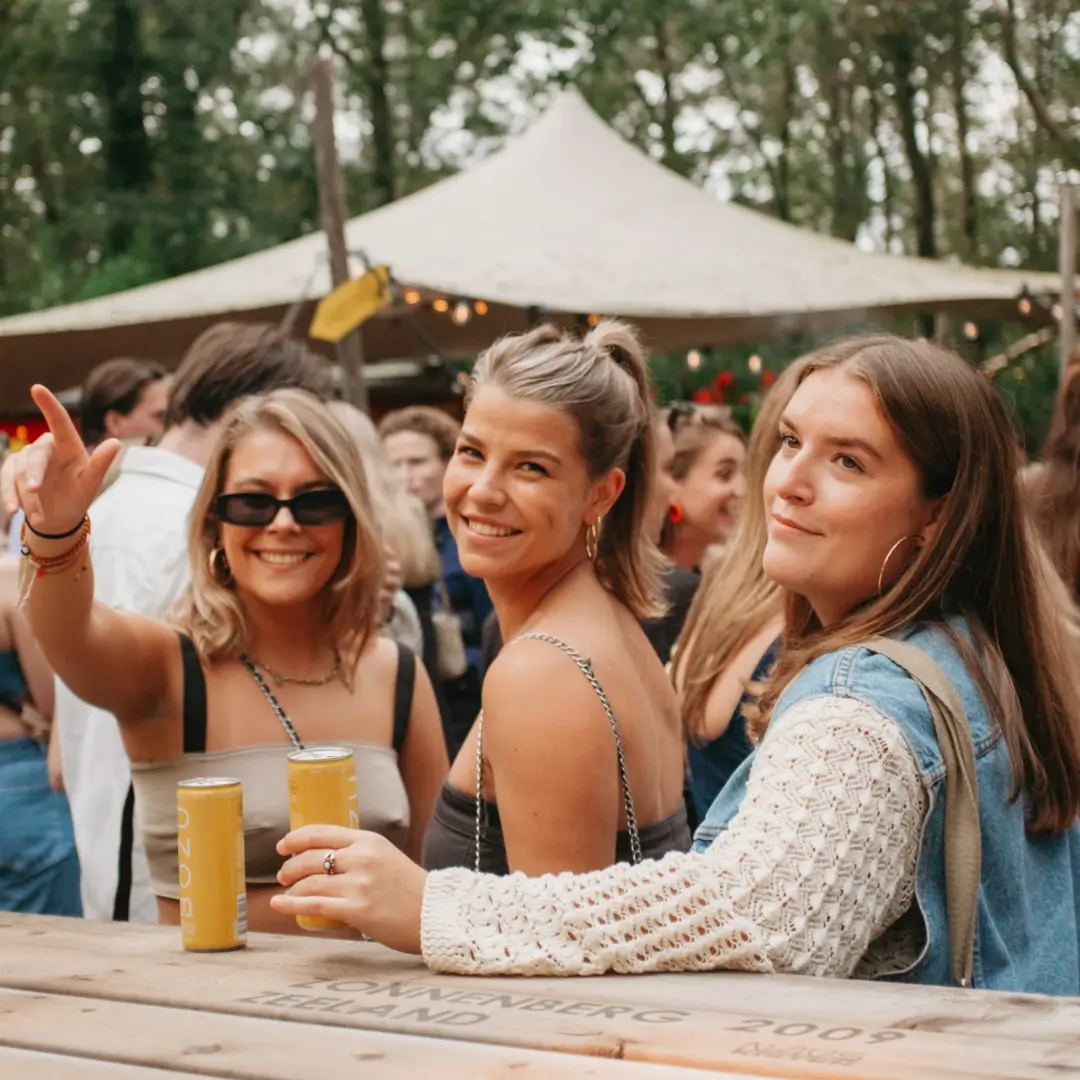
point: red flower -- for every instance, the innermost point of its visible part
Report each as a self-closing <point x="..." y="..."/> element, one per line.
<point x="724" y="379"/>
<point x="767" y="378"/>
<point x="702" y="397"/>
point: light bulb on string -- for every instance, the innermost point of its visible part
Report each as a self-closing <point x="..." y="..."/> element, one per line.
<point x="480" y="307"/>
<point x="693" y="359"/>
<point x="412" y="296"/>
<point x="754" y="363"/>
<point x="594" y="320"/>
<point x="1024" y="306"/>
<point x="461" y="313"/>
<point x="971" y="331"/>
<point x="1058" y="312"/>
<point x="441" y="305"/>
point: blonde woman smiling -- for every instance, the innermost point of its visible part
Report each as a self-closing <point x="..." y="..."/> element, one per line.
<point x="274" y="644"/>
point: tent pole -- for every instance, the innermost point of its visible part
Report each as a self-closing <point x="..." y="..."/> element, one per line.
<point x="333" y="215"/>
<point x="1068" y="270"/>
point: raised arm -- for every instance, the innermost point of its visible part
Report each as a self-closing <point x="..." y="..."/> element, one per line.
<point x="116" y="661"/>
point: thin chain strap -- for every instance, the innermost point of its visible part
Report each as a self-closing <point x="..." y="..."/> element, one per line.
<point x="279" y="712"/>
<point x="624" y="779"/>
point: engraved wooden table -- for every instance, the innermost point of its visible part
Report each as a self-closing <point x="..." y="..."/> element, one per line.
<point x="94" y="1000"/>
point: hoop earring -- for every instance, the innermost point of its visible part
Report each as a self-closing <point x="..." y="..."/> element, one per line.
<point x="592" y="541"/>
<point x="218" y="565"/>
<point x="892" y="551"/>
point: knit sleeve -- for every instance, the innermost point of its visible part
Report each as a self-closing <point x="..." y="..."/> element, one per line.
<point x="819" y="860"/>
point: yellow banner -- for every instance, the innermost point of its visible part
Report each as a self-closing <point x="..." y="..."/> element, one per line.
<point x="351" y="305"/>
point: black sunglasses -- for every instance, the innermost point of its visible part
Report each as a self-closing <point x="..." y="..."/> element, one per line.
<point x="320" y="506"/>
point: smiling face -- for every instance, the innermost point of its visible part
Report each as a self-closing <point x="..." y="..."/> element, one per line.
<point x="839" y="495"/>
<point x="517" y="490"/>
<point x="284" y="563"/>
<point x="713" y="489"/>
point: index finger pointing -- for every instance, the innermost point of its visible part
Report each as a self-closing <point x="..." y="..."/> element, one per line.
<point x="56" y="416"/>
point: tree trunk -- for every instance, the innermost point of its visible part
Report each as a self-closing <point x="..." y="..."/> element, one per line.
<point x="668" y="107"/>
<point x="902" y="51"/>
<point x="970" y="206"/>
<point x="887" y="196"/>
<point x="127" y="152"/>
<point x="384" y="170"/>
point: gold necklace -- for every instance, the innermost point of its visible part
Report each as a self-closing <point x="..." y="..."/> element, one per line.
<point x="282" y="680"/>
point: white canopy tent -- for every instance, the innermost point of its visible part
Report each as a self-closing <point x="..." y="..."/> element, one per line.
<point x="569" y="219"/>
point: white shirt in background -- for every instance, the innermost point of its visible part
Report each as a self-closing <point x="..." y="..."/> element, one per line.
<point x="139" y="551"/>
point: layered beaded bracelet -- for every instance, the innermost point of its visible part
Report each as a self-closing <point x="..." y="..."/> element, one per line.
<point x="40" y="565"/>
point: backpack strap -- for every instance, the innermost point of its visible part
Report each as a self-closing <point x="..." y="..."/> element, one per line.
<point x="963" y="833"/>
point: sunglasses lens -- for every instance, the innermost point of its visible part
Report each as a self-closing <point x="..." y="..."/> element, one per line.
<point x="326" y="506"/>
<point x="247" y="508"/>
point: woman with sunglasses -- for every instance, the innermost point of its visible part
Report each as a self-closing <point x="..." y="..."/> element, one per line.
<point x="273" y="646"/>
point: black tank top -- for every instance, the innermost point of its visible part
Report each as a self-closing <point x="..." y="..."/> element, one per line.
<point x="451" y="839"/>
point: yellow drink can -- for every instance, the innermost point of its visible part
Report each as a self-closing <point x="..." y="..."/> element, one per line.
<point x="322" y="791"/>
<point x="210" y="839"/>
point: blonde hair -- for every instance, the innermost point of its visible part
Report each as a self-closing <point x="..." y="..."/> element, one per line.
<point x="601" y="382"/>
<point x="401" y="518"/>
<point x="211" y="613"/>
<point x="736" y="599"/>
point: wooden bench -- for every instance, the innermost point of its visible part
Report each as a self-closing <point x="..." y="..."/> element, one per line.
<point x="297" y="1008"/>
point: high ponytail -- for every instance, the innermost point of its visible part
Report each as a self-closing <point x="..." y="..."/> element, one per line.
<point x="601" y="381"/>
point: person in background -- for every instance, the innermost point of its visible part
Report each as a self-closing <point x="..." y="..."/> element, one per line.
<point x="123" y="399"/>
<point x="708" y="468"/>
<point x="1053" y="485"/>
<point x="273" y="645"/>
<point x="419" y="442"/>
<point x="39" y="867"/>
<point x="139" y="551"/>
<point x="731" y="638"/>
<point x="406" y="531"/>
<point x="120" y="399"/>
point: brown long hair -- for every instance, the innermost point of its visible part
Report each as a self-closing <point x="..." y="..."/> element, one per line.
<point x="983" y="563"/>
<point x="735" y="599"/>
<point x="601" y="381"/>
<point x="1055" y="486"/>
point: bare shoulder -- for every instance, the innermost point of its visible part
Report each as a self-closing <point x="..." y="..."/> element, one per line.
<point x="540" y="688"/>
<point x="378" y="661"/>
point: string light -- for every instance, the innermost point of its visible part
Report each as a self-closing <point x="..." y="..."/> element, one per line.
<point x="971" y="331"/>
<point x="1025" y="306"/>
<point x="1058" y="312"/>
<point x="693" y="359"/>
<point x="754" y="363"/>
<point x="462" y="313"/>
<point x="412" y="296"/>
<point x="441" y="305"/>
<point x="480" y="307"/>
<point x="594" y="319"/>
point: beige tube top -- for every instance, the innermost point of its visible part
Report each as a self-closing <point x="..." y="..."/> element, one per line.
<point x="382" y="802"/>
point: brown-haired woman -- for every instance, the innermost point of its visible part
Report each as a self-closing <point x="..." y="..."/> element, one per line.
<point x="1054" y="484"/>
<point x="895" y="527"/>
<point x="276" y="644"/>
<point x="710" y="481"/>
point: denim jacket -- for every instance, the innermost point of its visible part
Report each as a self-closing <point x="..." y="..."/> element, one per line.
<point x="1028" y="925"/>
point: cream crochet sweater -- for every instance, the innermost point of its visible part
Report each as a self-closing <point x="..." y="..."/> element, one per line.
<point x="812" y="876"/>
